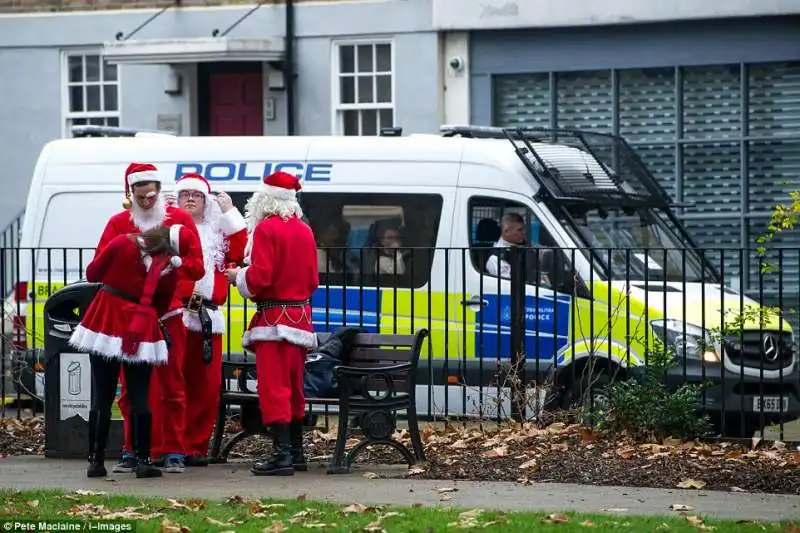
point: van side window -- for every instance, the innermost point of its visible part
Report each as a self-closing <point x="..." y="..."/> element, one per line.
<point x="371" y="239"/>
<point x="494" y="225"/>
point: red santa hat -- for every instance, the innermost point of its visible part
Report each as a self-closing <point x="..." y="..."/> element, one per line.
<point x="196" y="182"/>
<point x="179" y="237"/>
<point x="281" y="185"/>
<point x="138" y="173"/>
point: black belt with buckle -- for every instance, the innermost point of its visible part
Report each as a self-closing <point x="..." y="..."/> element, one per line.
<point x="271" y="304"/>
<point x="198" y="305"/>
<point x="120" y="294"/>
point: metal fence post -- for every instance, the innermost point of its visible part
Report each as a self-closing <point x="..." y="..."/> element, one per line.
<point x="518" y="359"/>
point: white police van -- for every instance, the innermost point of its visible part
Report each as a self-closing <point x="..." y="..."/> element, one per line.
<point x="442" y="197"/>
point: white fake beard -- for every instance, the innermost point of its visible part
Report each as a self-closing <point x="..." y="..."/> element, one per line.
<point x="149" y="218"/>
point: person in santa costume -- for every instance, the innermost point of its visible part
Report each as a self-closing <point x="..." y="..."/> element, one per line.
<point x="223" y="234"/>
<point x="148" y="209"/>
<point x="120" y="329"/>
<point x="280" y="277"/>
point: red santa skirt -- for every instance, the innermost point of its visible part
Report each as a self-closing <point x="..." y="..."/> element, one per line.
<point x="107" y="321"/>
<point x="282" y="323"/>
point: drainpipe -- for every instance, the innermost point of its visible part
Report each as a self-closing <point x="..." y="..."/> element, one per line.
<point x="289" y="68"/>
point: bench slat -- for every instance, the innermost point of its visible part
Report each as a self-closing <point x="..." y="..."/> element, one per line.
<point x="376" y="339"/>
<point x="362" y="355"/>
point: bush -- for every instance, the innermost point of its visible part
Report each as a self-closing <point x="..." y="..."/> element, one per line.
<point x="644" y="407"/>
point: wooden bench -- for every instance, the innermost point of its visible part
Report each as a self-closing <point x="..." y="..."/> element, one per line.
<point x="377" y="379"/>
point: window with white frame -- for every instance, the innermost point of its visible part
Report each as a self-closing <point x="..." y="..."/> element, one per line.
<point x="363" y="88"/>
<point x="91" y="87"/>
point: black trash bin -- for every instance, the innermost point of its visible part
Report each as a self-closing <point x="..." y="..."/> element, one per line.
<point x="68" y="378"/>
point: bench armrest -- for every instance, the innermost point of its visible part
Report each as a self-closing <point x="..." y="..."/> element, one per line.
<point x="241" y="364"/>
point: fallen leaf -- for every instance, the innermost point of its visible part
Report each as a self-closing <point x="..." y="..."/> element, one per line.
<point x="371" y="475"/>
<point x="276" y="527"/>
<point x="215" y="522"/>
<point x="616" y="510"/>
<point x="680" y="507"/>
<point x="691" y="484"/>
<point x="558" y="518"/>
<point x="33" y="503"/>
<point x="528" y="464"/>
<point x="82" y="492"/>
<point x="587" y="523"/>
<point x="173" y="527"/>
<point x="560" y="447"/>
<point x="626" y="452"/>
<point x="354" y="508"/>
<point x="500" y="451"/>
<point x="318" y="525"/>
<point x="189" y="505"/>
<point x="737" y="489"/>
<point x="589" y="436"/>
<point x="414" y="470"/>
<point x="447" y="489"/>
<point x="445" y="497"/>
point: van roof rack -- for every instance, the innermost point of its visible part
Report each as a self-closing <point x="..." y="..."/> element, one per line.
<point x="114" y="131"/>
<point x="611" y="173"/>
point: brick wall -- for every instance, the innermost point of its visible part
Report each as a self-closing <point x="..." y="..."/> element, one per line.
<point x="19" y="6"/>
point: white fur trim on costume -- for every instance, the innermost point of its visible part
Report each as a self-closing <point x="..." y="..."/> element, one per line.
<point x="279" y="192"/>
<point x="192" y="184"/>
<point x="170" y="314"/>
<point x="232" y="222"/>
<point x="139" y="177"/>
<point x="280" y="332"/>
<point x="175" y="237"/>
<point x="192" y="321"/>
<point x="241" y="283"/>
<point x="86" y="340"/>
<point x="176" y="261"/>
<point x="148" y="261"/>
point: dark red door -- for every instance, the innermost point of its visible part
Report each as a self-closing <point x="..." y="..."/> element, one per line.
<point x="236" y="103"/>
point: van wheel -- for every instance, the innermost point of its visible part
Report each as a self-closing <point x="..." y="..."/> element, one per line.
<point x="577" y="393"/>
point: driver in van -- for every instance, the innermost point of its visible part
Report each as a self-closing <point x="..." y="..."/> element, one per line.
<point x="146" y="211"/>
<point x="512" y="233"/>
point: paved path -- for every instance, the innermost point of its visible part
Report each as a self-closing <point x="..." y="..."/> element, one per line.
<point x="221" y="481"/>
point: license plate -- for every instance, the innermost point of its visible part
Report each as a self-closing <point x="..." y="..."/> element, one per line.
<point x="770" y="404"/>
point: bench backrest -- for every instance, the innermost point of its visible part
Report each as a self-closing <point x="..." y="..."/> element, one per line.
<point x="371" y="350"/>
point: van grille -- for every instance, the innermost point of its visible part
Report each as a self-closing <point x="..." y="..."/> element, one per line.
<point x="752" y="350"/>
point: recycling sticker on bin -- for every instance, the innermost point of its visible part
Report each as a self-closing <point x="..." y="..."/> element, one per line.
<point x="76" y="386"/>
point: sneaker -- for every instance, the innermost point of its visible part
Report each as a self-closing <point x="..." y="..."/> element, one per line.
<point x="174" y="465"/>
<point x="126" y="466"/>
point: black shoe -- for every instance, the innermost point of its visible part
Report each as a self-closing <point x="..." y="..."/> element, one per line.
<point x="141" y="429"/>
<point x="280" y="464"/>
<point x="195" y="460"/>
<point x="160" y="461"/>
<point x="99" y="424"/>
<point x="296" y="439"/>
<point x="145" y="469"/>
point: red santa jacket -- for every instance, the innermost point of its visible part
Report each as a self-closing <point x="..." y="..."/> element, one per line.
<point x="192" y="268"/>
<point x="122" y="270"/>
<point x="282" y="270"/>
<point x="223" y="242"/>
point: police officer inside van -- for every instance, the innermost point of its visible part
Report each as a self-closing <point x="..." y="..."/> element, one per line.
<point x="512" y="233"/>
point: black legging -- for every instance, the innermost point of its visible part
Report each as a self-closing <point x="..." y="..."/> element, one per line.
<point x="105" y="374"/>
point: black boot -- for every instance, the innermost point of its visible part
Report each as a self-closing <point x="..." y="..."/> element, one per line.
<point x="296" y="439"/>
<point x="99" y="422"/>
<point x="280" y="464"/>
<point x="142" y="428"/>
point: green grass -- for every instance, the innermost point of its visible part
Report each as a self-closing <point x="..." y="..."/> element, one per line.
<point x="271" y="516"/>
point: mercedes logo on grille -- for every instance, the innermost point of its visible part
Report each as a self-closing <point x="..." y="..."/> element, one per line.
<point x="770" y="347"/>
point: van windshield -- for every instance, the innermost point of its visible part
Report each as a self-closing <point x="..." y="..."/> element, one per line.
<point x="627" y="241"/>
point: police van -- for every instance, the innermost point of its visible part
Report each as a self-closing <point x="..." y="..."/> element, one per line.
<point x="407" y="228"/>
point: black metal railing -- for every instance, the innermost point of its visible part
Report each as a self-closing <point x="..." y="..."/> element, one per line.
<point x="548" y="333"/>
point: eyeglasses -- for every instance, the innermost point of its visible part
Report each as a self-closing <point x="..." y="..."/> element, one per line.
<point x="194" y="195"/>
